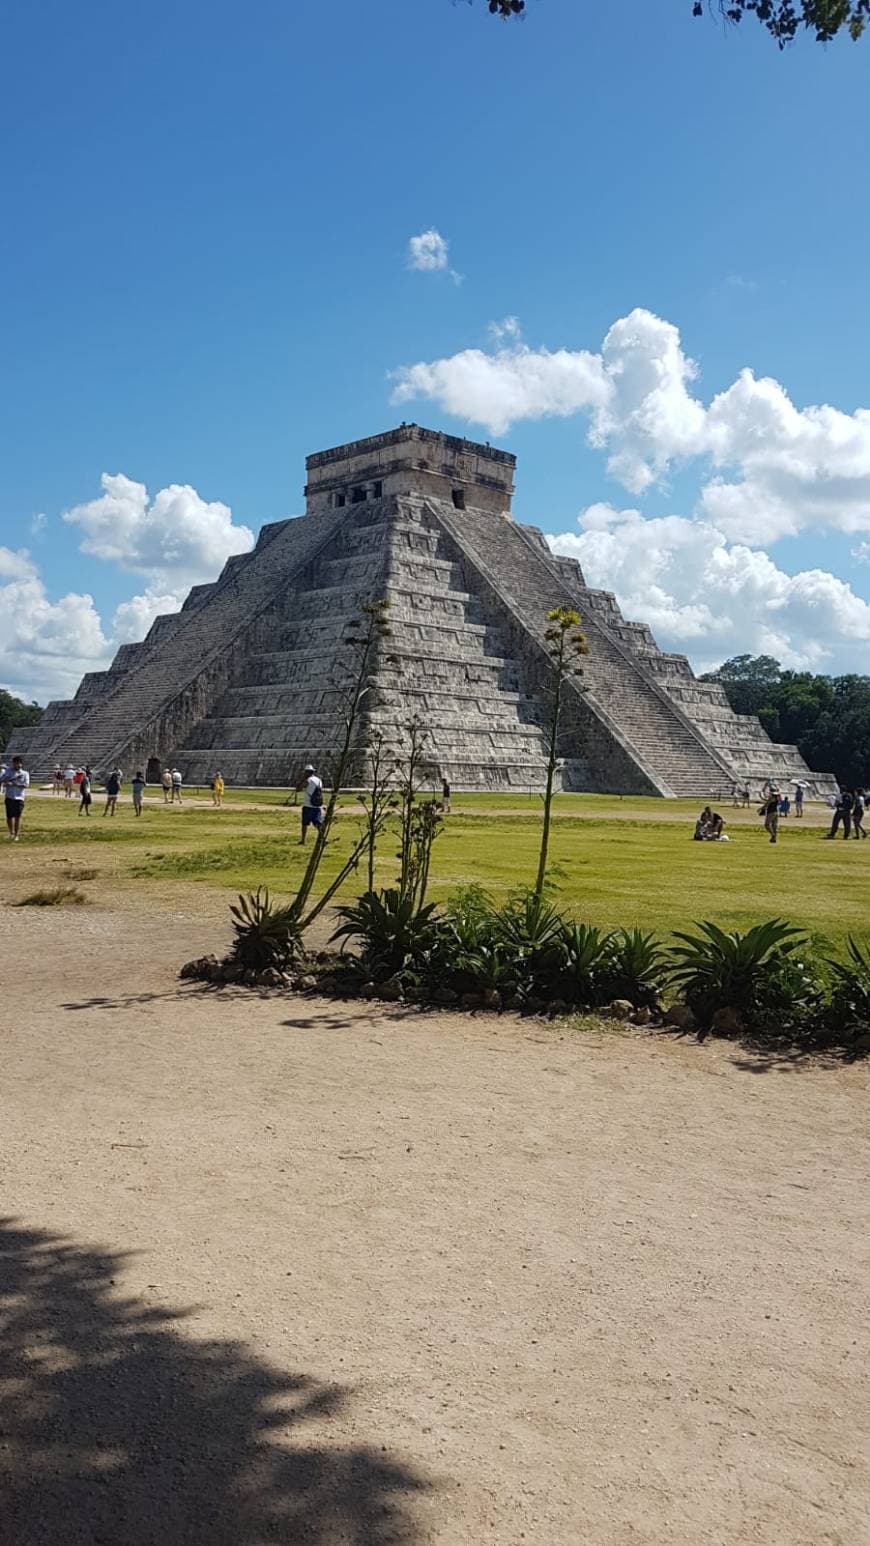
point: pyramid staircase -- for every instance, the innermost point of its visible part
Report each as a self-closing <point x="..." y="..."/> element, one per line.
<point x="251" y="676"/>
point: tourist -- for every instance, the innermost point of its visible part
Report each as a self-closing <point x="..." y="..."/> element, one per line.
<point x="858" y="815"/>
<point x="57" y="780"/>
<point x="77" y="777"/>
<point x="784" y="805"/>
<point x="113" y="789"/>
<point x="217" y="789"/>
<point x="312" y="800"/>
<point x="176" y="778"/>
<point x="445" y="793"/>
<point x="799" y="800"/>
<point x="770" y="811"/>
<point x="166" y="781"/>
<point x="15" y="782"/>
<point x="69" y="780"/>
<point x="842" y="814"/>
<point x="709" y="827"/>
<point x="138" y="789"/>
<point x="85" y="792"/>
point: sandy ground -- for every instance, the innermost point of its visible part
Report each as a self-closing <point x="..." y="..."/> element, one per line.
<point x="280" y="1271"/>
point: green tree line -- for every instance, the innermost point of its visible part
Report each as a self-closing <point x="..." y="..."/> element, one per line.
<point x="15" y="712"/>
<point x="826" y="717"/>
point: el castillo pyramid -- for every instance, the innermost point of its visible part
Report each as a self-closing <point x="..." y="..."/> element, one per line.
<point x="247" y="676"/>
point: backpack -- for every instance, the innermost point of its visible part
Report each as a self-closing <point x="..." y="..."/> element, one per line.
<point x="317" y="796"/>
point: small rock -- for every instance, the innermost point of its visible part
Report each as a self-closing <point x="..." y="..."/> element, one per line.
<point x="230" y="971"/>
<point x="391" y="991"/>
<point x="558" y="1006"/>
<point x="727" y="1021"/>
<point x="445" y="996"/>
<point x="472" y="1001"/>
<point x="491" y="999"/>
<point x="203" y="969"/>
<point x="861" y="1044"/>
<point x="368" y="990"/>
<point x="271" y="978"/>
<point x="642" y="1016"/>
<point x="620" y="1009"/>
<point x="680" y="1015"/>
<point x="306" y="984"/>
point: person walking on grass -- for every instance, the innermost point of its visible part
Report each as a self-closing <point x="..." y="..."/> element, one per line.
<point x="842" y="813"/>
<point x="15" y="781"/>
<point x="85" y="792"/>
<point x="312" y="800"/>
<point x="176" y="781"/>
<point x="858" y="804"/>
<point x="770" y="811"/>
<point x="138" y="790"/>
<point x="166" y="781"/>
<point x="217" y="790"/>
<point x="113" y="789"/>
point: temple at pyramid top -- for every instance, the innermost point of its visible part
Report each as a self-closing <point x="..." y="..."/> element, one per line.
<point x="250" y="677"/>
<point x="411" y="460"/>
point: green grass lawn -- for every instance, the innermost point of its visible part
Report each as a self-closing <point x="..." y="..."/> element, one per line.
<point x="616" y="861"/>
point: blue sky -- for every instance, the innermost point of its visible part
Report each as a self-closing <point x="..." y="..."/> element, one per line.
<point x="205" y="274"/>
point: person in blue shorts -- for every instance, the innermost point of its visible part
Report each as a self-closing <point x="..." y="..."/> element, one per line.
<point x="312" y="800"/>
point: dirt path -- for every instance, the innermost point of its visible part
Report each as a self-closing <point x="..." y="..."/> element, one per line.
<point x="300" y="1272"/>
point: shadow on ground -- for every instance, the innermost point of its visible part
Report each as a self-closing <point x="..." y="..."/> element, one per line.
<point x="118" y="1428"/>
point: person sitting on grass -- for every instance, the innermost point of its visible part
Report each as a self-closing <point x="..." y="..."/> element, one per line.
<point x="708" y="827"/>
<point x="312" y="800"/>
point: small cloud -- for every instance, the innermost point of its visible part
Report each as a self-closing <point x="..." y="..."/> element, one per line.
<point x="508" y="328"/>
<point x="739" y="282"/>
<point x="861" y="553"/>
<point x="428" y="253"/>
<point x="38" y="523"/>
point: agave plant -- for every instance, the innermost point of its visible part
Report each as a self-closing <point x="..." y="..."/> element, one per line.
<point x="849" y="1009"/>
<point x="529" y="931"/>
<point x="636" y="966"/>
<point x="395" y="936"/>
<point x="585" y="969"/>
<point x="716" y="970"/>
<point x="266" y="935"/>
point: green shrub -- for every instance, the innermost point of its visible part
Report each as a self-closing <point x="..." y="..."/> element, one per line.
<point x="396" y="938"/>
<point x="529" y="934"/>
<point x="266" y="935"/>
<point x="848" y="1010"/>
<point x="637" y="964"/>
<point x="716" y="970"/>
<point x="585" y="969"/>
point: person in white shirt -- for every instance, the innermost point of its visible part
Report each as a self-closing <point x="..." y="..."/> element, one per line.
<point x="69" y="780"/>
<point x="176" y="787"/>
<point x="312" y="800"/>
<point x="16" y="781"/>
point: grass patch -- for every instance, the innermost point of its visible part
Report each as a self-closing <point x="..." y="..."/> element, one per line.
<point x="617" y="862"/>
<point x="53" y="896"/>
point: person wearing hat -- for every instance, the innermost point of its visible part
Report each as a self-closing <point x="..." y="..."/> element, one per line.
<point x="312" y="799"/>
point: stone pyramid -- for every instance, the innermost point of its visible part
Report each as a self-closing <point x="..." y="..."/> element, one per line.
<point x="248" y="676"/>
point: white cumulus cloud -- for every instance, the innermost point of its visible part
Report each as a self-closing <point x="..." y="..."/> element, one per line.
<point x="428" y="251"/>
<point x="768" y="468"/>
<point x="176" y="537"/>
<point x="46" y="646"/>
<point x="711" y="598"/>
